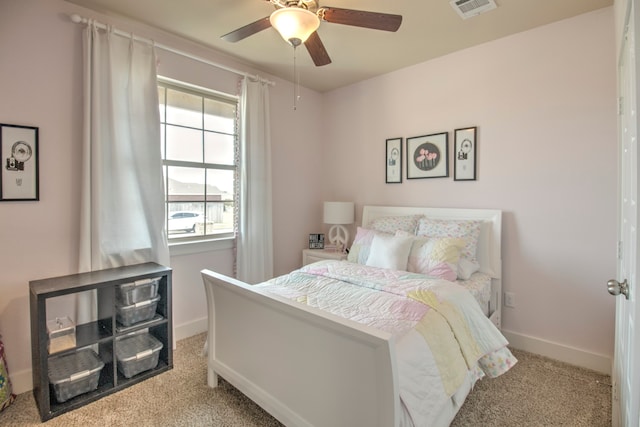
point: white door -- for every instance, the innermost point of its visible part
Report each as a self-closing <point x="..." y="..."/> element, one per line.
<point x="625" y="373"/>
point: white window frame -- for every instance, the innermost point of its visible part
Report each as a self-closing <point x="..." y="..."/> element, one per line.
<point x="206" y="243"/>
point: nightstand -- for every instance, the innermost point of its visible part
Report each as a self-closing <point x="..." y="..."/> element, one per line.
<point x="315" y="255"/>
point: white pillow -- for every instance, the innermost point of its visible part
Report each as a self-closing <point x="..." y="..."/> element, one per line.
<point x="466" y="268"/>
<point x="359" y="251"/>
<point x="390" y="252"/>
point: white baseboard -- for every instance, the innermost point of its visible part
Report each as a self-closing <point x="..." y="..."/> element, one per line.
<point x="22" y="381"/>
<point x="561" y="352"/>
<point x="190" y="329"/>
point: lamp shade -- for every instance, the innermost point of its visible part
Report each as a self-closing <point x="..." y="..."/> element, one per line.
<point x="294" y="24"/>
<point x="339" y="212"/>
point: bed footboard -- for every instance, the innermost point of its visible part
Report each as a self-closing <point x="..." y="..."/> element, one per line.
<point x="302" y="365"/>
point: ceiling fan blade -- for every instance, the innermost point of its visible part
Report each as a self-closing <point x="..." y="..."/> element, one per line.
<point x="360" y="18"/>
<point x="316" y="50"/>
<point x="247" y="30"/>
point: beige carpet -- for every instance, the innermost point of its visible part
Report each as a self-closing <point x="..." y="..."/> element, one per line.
<point x="536" y="392"/>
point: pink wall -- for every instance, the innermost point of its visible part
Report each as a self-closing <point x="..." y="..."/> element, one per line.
<point x="550" y="90"/>
<point x="41" y="85"/>
<point x="544" y="102"/>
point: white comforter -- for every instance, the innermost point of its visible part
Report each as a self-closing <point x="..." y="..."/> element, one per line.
<point x="444" y="342"/>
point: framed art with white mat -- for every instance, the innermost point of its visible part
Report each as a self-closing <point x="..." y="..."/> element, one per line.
<point x="464" y="163"/>
<point x="19" y="150"/>
<point x="393" y="161"/>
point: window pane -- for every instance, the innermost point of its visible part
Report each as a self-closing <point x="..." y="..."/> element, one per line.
<point x="219" y="184"/>
<point x="219" y="116"/>
<point x="185" y="184"/>
<point x="219" y="218"/>
<point x="184" y="144"/>
<point x="218" y="148"/>
<point x="185" y="219"/>
<point x="184" y="109"/>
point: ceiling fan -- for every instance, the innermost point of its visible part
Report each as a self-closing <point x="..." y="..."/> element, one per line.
<point x="297" y="22"/>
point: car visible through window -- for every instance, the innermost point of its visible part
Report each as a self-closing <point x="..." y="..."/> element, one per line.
<point x="184" y="222"/>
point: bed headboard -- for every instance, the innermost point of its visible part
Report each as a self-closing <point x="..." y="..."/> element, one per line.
<point x="489" y="250"/>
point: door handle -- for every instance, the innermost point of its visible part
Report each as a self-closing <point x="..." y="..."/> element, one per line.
<point x="616" y="288"/>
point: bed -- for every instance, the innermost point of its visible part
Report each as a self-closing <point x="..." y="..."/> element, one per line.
<point x="296" y="355"/>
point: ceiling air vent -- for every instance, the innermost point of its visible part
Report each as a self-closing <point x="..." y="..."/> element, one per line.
<point x="470" y="8"/>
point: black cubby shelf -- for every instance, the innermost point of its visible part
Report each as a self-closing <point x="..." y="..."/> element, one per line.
<point x="100" y="335"/>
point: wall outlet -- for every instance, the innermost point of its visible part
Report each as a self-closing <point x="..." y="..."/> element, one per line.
<point x="509" y="299"/>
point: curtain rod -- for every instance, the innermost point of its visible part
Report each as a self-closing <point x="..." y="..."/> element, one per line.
<point x="80" y="20"/>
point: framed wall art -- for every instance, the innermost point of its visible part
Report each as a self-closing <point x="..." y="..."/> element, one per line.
<point x="464" y="163"/>
<point x="393" y="161"/>
<point x="19" y="150"/>
<point x="427" y="156"/>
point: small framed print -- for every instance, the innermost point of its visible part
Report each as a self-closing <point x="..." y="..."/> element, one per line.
<point x="19" y="151"/>
<point x="393" y="161"/>
<point x="428" y="156"/>
<point x="316" y="241"/>
<point x="464" y="163"/>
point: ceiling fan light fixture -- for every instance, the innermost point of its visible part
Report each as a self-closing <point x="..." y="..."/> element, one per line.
<point x="294" y="24"/>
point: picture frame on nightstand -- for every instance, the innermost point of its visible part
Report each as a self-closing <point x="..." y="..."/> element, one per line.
<point x="316" y="241"/>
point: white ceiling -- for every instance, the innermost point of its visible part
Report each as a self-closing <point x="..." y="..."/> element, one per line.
<point x="430" y="28"/>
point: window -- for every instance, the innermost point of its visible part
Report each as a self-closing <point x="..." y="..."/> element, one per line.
<point x="199" y="146"/>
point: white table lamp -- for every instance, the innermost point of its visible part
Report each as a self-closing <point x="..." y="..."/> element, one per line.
<point x="339" y="214"/>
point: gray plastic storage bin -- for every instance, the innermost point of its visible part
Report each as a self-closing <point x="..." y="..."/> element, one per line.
<point x="127" y="315"/>
<point x="140" y="290"/>
<point x="74" y="373"/>
<point x="137" y="353"/>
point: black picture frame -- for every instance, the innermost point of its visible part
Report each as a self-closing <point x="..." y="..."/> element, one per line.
<point x="19" y="177"/>
<point x="316" y="241"/>
<point x="465" y="154"/>
<point x="428" y="156"/>
<point x="393" y="161"/>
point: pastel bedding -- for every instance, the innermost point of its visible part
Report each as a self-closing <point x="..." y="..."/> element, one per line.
<point x="444" y="342"/>
<point x="479" y="285"/>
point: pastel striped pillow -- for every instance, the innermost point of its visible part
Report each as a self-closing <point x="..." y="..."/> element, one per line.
<point x="469" y="230"/>
<point x="435" y="257"/>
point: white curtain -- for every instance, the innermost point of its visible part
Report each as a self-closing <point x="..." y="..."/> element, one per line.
<point x="254" y="263"/>
<point x="122" y="208"/>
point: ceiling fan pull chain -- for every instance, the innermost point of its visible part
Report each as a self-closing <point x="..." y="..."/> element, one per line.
<point x="296" y="81"/>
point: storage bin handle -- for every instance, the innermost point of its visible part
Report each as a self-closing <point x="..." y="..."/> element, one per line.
<point x="144" y="354"/>
<point x="143" y="303"/>
<point x="79" y="375"/>
<point x="142" y="282"/>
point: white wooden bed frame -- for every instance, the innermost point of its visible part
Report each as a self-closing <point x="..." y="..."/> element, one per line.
<point x="307" y="367"/>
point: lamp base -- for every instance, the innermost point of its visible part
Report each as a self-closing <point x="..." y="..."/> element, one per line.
<point x="339" y="236"/>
